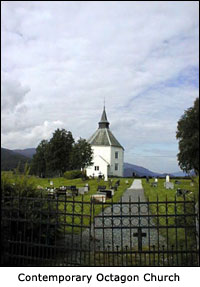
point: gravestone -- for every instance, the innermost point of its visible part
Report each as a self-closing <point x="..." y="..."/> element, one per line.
<point x="169" y="185"/>
<point x="155" y="180"/>
<point x="154" y="184"/>
<point x="167" y="178"/>
<point x="107" y="192"/>
<point x="106" y="177"/>
<point x="98" y="197"/>
<point x="101" y="187"/>
<point x="82" y="191"/>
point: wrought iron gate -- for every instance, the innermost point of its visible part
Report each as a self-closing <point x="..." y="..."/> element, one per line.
<point x="160" y="233"/>
<point x="67" y="232"/>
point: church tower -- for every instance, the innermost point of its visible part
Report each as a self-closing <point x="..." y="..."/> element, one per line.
<point x="108" y="154"/>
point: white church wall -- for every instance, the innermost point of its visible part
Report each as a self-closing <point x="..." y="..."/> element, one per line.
<point x="104" y="151"/>
<point x="107" y="153"/>
<point x="98" y="152"/>
<point x="119" y="161"/>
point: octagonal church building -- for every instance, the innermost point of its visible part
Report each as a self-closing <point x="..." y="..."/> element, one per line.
<point x="108" y="154"/>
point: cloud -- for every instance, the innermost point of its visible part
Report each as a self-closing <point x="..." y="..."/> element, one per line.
<point x="32" y="136"/>
<point x="62" y="58"/>
<point x="13" y="93"/>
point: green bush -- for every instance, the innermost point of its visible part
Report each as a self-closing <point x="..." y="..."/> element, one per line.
<point x="27" y="215"/>
<point x="72" y="174"/>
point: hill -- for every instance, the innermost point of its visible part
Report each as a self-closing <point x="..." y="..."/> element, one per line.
<point x="10" y="160"/>
<point x="129" y="169"/>
<point x="28" y="152"/>
<point x="138" y="170"/>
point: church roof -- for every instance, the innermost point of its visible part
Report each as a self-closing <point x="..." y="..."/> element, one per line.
<point x="103" y="136"/>
<point x="104" y="122"/>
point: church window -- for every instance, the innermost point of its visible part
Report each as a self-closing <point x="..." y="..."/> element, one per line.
<point x="116" y="154"/>
<point x="116" y="166"/>
<point x="96" y="168"/>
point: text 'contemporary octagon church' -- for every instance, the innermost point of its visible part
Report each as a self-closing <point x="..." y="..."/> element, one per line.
<point x="108" y="154"/>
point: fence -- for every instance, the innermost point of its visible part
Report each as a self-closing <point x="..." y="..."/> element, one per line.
<point x="65" y="231"/>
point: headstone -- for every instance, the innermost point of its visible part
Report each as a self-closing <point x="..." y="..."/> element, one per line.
<point x="167" y="178"/>
<point x="51" y="182"/>
<point x="101" y="187"/>
<point x="98" y="197"/>
<point x="169" y="185"/>
<point x="81" y="190"/>
<point x="107" y="192"/>
<point x="155" y="180"/>
<point x="154" y="184"/>
<point x="86" y="189"/>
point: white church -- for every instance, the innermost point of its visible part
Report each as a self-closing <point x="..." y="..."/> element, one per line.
<point x="108" y="154"/>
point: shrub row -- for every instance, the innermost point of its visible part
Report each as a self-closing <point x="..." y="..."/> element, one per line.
<point x="72" y="174"/>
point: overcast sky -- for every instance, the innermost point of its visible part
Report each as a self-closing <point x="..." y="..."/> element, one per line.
<point x="60" y="59"/>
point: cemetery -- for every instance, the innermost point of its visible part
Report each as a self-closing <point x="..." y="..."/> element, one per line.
<point x="94" y="209"/>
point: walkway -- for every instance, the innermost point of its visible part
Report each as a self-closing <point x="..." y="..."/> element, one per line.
<point x="135" y="192"/>
<point x="122" y="217"/>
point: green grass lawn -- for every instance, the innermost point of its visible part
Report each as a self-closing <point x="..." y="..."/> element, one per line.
<point x="153" y="192"/>
<point x="76" y="206"/>
<point x="176" y="236"/>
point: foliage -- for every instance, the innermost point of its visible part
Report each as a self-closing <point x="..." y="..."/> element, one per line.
<point x="39" y="164"/>
<point x="61" y="154"/>
<point x="81" y="155"/>
<point x="72" y="174"/>
<point x="22" y="200"/>
<point x="188" y="136"/>
<point x="59" y="150"/>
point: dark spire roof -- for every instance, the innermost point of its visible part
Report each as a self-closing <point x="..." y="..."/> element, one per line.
<point x="104" y="122"/>
<point x="103" y="136"/>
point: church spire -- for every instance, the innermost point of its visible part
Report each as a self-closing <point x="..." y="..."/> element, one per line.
<point x="104" y="122"/>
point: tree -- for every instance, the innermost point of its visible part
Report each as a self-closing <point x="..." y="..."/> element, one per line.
<point x="188" y="136"/>
<point x="61" y="154"/>
<point x="39" y="163"/>
<point x="81" y="156"/>
<point x="59" y="150"/>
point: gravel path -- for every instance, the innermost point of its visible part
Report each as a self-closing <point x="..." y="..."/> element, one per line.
<point x="123" y="237"/>
<point x="117" y="225"/>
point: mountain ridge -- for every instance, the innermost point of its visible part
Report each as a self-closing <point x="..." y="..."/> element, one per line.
<point x="11" y="160"/>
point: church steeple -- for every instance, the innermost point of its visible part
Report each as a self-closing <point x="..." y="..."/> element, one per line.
<point x="104" y="122"/>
